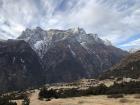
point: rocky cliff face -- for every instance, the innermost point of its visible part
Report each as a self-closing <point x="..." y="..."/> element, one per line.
<point x="127" y="68"/>
<point x="20" y="66"/>
<point x="66" y="62"/>
<point x="72" y="54"/>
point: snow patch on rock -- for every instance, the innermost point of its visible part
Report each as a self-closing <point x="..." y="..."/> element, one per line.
<point x="38" y="44"/>
<point x="73" y="53"/>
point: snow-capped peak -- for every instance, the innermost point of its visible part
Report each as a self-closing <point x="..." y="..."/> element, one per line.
<point x="39" y="28"/>
<point x="42" y="39"/>
<point x="77" y="30"/>
<point x="107" y="42"/>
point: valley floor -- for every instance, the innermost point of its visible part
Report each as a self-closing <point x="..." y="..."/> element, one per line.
<point x="86" y="100"/>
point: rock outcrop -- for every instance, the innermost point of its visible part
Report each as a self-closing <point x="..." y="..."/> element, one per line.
<point x="20" y="66"/>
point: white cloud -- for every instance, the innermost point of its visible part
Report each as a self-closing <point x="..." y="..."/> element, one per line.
<point x="132" y="45"/>
<point x="116" y="20"/>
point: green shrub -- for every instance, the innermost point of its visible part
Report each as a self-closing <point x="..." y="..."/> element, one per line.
<point x="4" y="100"/>
<point x="124" y="88"/>
<point x="26" y="101"/>
<point x="45" y="93"/>
<point x="98" y="90"/>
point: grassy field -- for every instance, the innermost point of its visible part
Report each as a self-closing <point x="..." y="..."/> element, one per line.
<point x="94" y="100"/>
<point x="85" y="100"/>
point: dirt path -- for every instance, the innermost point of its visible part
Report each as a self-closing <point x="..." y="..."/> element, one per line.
<point x="34" y="99"/>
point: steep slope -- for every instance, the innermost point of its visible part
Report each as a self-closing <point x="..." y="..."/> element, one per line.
<point x="66" y="62"/>
<point x="129" y="67"/>
<point x="20" y="66"/>
<point x="72" y="54"/>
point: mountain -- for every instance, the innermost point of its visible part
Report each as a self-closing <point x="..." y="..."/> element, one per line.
<point x="20" y="66"/>
<point x="72" y="54"/>
<point x="40" y="40"/>
<point x="128" y="68"/>
<point x="37" y="38"/>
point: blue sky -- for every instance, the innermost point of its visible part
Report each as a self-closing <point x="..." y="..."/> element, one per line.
<point x="115" y="20"/>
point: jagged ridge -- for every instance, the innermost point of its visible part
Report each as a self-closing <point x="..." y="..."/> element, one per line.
<point x="72" y="54"/>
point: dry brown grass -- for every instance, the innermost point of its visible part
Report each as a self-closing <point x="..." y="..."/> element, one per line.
<point x="137" y="96"/>
<point x="85" y="100"/>
<point x="94" y="100"/>
<point x="115" y="96"/>
<point x="124" y="100"/>
<point x="81" y="102"/>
